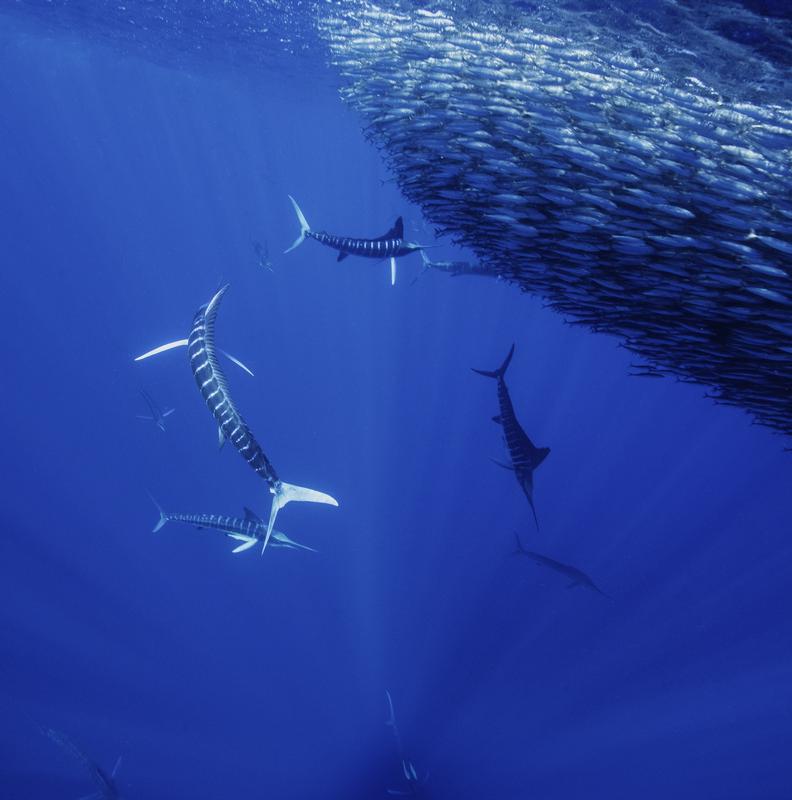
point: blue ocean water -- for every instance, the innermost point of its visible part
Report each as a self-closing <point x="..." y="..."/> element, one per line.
<point x="132" y="189"/>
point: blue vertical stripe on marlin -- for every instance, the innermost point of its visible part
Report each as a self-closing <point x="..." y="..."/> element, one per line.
<point x="213" y="387"/>
<point x="249" y="531"/>
<point x="525" y="456"/>
<point x="390" y="245"/>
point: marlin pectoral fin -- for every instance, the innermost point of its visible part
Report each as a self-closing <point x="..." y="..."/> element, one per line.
<point x="163" y="348"/>
<point x="145" y="416"/>
<point x="341" y="256"/>
<point x="246" y="545"/>
<point x="238" y="363"/>
<point x="116" y="766"/>
<point x="393" y="269"/>
<point x="497" y="419"/>
<point x="502" y="464"/>
<point x="168" y="412"/>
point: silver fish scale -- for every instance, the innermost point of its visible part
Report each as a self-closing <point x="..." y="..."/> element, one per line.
<point x="691" y="192"/>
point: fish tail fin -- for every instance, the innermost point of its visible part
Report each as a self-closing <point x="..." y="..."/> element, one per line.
<point x="304" y="226"/>
<point x="501" y="371"/>
<point x="163" y="517"/>
<point x="288" y="493"/>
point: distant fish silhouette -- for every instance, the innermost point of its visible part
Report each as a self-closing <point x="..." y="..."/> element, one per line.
<point x="525" y="456"/>
<point x="412" y="782"/>
<point x="156" y="415"/>
<point x="262" y="254"/>
<point x="453" y="268"/>
<point x="390" y="245"/>
<point x="107" y="789"/>
<point x="579" y="578"/>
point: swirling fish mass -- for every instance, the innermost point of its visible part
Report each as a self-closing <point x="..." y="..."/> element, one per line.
<point x="640" y="204"/>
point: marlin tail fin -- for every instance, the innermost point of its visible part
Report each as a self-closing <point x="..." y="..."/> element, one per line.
<point x="304" y="226"/>
<point x="162" y="516"/>
<point x="287" y="493"/>
<point x="501" y="371"/>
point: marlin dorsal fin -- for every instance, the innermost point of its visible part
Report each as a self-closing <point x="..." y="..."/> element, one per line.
<point x="252" y="516"/>
<point x="396" y="232"/>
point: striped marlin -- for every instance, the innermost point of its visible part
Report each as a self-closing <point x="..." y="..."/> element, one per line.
<point x="390" y="245"/>
<point x="106" y="788"/>
<point x="157" y="415"/>
<point x="578" y="577"/>
<point x="412" y="782"/>
<point x="213" y="386"/>
<point x="248" y="530"/>
<point x="525" y="456"/>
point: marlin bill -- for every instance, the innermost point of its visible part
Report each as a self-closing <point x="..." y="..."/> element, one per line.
<point x="525" y="455"/>
<point x="390" y="245"/>
<point x="249" y="529"/>
<point x="213" y="386"/>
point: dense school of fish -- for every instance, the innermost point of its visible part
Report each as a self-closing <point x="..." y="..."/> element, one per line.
<point x="635" y="203"/>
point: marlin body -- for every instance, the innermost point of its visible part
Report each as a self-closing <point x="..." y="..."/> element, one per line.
<point x="156" y="414"/>
<point x="106" y="788"/>
<point x="412" y="783"/>
<point x="577" y="576"/>
<point x="525" y="456"/>
<point x="390" y="245"/>
<point x="250" y="530"/>
<point x="212" y="384"/>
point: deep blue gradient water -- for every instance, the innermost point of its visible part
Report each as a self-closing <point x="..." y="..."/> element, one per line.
<point x="130" y="192"/>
